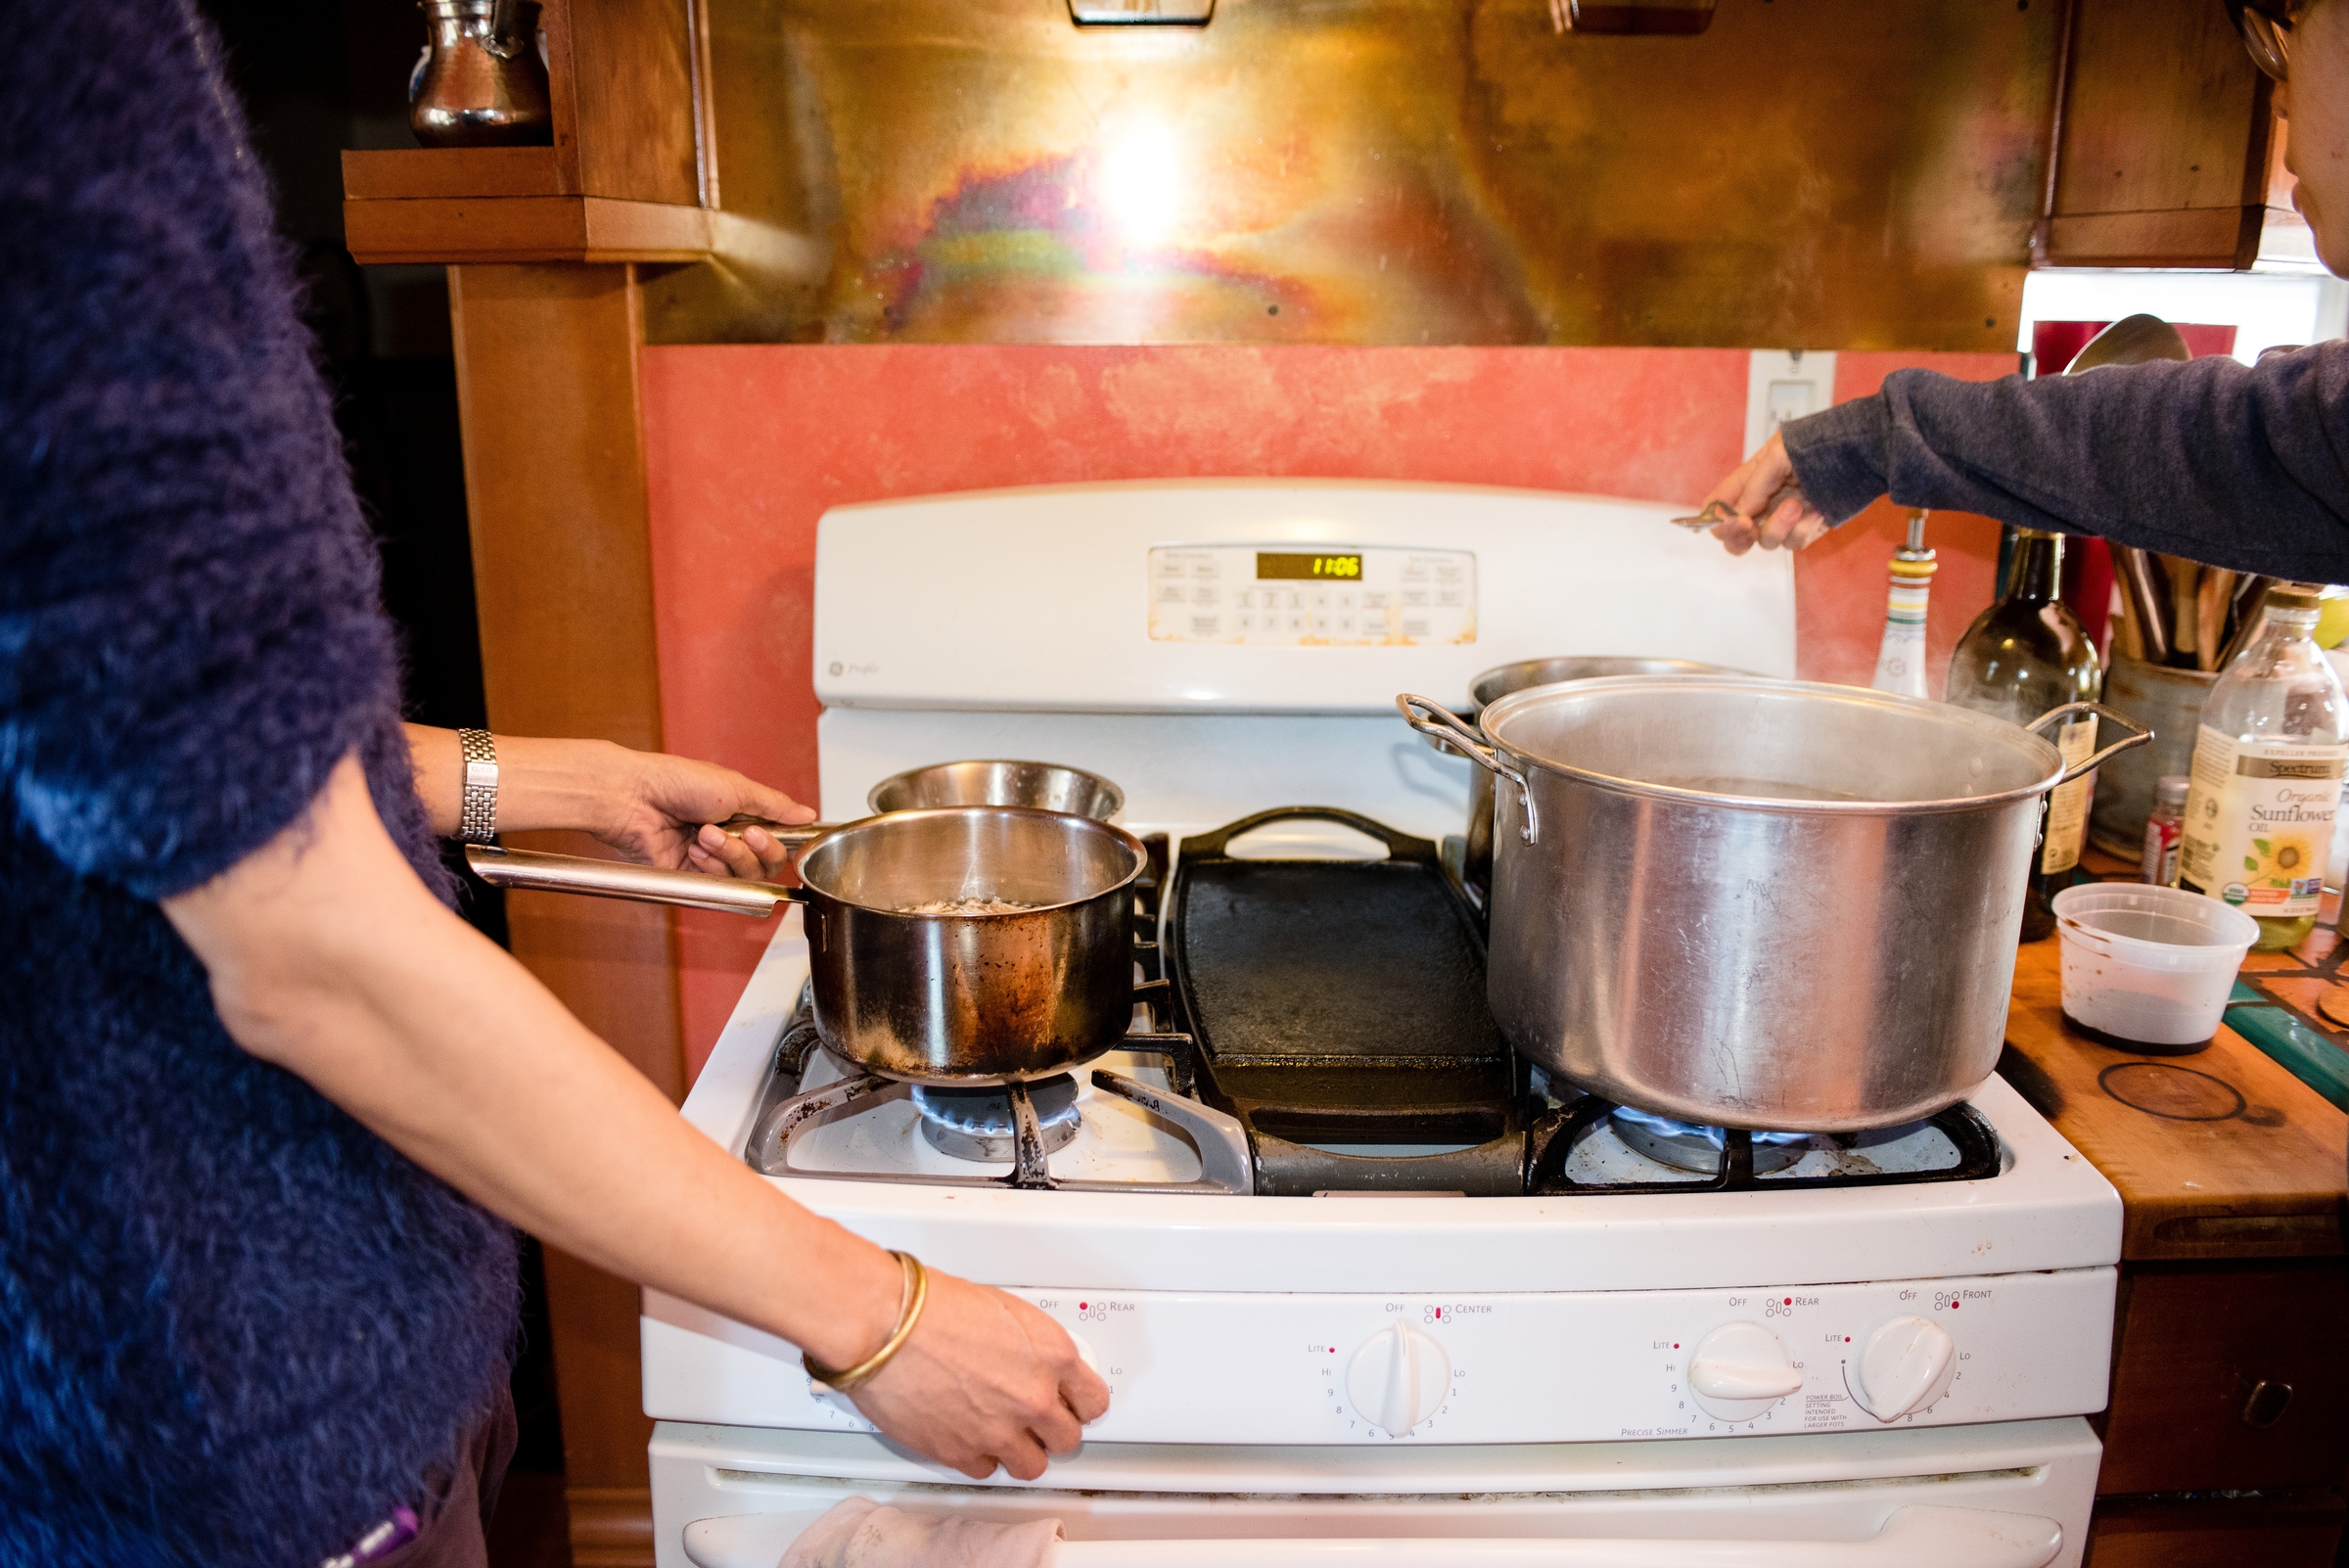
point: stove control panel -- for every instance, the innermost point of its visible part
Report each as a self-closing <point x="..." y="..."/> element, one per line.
<point x="1312" y="596"/>
<point x="1553" y="1367"/>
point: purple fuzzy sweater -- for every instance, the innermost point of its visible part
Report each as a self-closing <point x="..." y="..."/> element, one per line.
<point x="235" y="1326"/>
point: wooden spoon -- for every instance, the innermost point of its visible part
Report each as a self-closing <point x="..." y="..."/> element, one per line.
<point x="2185" y="622"/>
<point x="2212" y="600"/>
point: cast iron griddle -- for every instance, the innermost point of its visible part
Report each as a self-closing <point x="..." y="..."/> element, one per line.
<point x="1312" y="962"/>
<point x="1343" y="1001"/>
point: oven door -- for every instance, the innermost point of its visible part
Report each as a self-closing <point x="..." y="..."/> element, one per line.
<point x="2013" y="1495"/>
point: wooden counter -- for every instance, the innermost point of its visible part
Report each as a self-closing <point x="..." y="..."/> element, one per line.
<point x="2220" y="1155"/>
<point x="2223" y="1439"/>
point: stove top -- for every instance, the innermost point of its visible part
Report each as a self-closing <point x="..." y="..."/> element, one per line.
<point x="1323" y="1033"/>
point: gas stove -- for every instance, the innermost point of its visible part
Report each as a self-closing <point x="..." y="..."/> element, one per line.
<point x="1350" y="1051"/>
<point x="1351" y="1268"/>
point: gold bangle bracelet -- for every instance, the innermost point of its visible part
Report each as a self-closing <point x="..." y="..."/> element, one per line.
<point x="915" y="1292"/>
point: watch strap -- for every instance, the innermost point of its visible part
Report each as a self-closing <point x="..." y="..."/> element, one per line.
<point x="477" y="812"/>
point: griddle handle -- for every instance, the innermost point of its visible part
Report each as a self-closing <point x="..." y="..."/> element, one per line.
<point x="1399" y="846"/>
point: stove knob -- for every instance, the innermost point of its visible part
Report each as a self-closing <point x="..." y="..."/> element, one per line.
<point x="1397" y="1379"/>
<point x="1740" y="1371"/>
<point x="1905" y="1365"/>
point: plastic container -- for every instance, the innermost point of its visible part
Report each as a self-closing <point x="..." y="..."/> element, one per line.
<point x="2148" y="969"/>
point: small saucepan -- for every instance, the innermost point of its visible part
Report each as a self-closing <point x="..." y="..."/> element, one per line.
<point x="1046" y="786"/>
<point x="958" y="945"/>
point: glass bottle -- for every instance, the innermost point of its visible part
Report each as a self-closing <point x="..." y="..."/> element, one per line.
<point x="2267" y="776"/>
<point x="1900" y="659"/>
<point x="2024" y="655"/>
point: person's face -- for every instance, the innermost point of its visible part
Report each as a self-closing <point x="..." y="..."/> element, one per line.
<point x="2316" y="100"/>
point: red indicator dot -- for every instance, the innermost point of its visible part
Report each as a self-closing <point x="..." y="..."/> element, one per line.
<point x="1676" y="1343"/>
<point x="1790" y="1301"/>
<point x="1953" y="1306"/>
<point x="1847" y="1339"/>
<point x="1333" y="1350"/>
<point x="1081" y="1306"/>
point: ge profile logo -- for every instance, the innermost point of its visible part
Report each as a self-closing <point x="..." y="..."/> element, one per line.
<point x="836" y="666"/>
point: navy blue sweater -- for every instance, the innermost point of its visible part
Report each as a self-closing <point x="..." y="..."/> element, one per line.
<point x="235" y="1326"/>
<point x="2235" y="465"/>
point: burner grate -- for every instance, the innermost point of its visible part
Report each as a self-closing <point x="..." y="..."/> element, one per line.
<point x="1555" y="1136"/>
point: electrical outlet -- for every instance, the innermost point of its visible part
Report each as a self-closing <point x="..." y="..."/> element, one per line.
<point x="1782" y="385"/>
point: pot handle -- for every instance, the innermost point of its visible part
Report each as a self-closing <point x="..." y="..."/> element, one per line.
<point x="612" y="879"/>
<point x="2139" y="735"/>
<point x="1440" y="723"/>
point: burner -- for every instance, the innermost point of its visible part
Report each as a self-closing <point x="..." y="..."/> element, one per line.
<point x="976" y="1123"/>
<point x="1687" y="1146"/>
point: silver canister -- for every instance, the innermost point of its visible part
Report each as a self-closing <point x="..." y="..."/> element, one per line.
<point x="2169" y="702"/>
<point x="481" y="82"/>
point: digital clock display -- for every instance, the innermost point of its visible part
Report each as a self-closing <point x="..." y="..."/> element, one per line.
<point x="1275" y="566"/>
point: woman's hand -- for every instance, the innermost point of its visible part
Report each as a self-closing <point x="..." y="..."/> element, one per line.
<point x="665" y="810"/>
<point x="1768" y="507"/>
<point x="653" y="808"/>
<point x="985" y="1379"/>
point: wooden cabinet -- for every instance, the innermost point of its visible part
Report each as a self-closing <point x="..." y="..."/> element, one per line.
<point x="2161" y="138"/>
<point x="2298" y="1530"/>
<point x="2229" y="1379"/>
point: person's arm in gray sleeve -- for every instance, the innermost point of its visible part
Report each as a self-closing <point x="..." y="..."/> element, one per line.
<point x="2239" y="466"/>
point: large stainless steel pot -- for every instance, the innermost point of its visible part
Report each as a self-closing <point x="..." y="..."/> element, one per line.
<point x="1502" y="681"/>
<point x="1758" y="903"/>
<point x="931" y="998"/>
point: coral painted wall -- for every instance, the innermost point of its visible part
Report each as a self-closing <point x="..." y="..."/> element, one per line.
<point x="748" y="446"/>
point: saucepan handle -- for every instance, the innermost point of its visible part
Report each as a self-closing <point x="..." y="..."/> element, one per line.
<point x="1440" y="723"/>
<point x="2139" y="735"/>
<point x="611" y="879"/>
<point x="794" y="837"/>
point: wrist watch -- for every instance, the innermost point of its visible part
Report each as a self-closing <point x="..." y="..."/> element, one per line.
<point x="477" y="815"/>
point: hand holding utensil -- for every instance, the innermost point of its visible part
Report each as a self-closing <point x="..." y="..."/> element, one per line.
<point x="1760" y="503"/>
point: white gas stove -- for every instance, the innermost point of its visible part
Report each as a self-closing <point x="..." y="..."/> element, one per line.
<point x="1856" y="1351"/>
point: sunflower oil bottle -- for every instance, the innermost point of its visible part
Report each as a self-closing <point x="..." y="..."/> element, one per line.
<point x="2267" y="776"/>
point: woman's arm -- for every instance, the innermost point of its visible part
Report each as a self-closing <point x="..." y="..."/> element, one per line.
<point x="2242" y="466"/>
<point x="653" y="808"/>
<point x="328" y="957"/>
